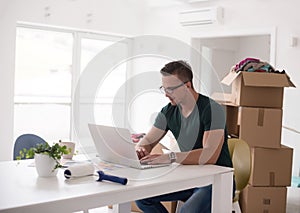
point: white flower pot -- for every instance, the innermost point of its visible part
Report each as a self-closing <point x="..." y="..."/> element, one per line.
<point x="45" y="165"/>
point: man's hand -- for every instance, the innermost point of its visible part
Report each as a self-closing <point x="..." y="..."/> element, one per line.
<point x="156" y="159"/>
<point x="144" y="147"/>
<point x="141" y="152"/>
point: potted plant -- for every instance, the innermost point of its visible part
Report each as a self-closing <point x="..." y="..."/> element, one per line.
<point x="47" y="158"/>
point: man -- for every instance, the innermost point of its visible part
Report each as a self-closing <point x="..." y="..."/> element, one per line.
<point x="198" y="124"/>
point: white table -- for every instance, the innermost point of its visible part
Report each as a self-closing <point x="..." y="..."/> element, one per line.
<point x="23" y="191"/>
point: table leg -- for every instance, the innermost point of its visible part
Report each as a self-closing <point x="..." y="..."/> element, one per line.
<point x="122" y="208"/>
<point x="222" y="193"/>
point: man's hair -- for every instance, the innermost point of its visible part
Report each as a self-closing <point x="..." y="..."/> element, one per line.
<point x="180" y="68"/>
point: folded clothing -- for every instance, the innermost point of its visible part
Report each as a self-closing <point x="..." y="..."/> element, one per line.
<point x="254" y="65"/>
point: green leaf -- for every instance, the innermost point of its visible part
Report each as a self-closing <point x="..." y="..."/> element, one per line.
<point x="55" y="151"/>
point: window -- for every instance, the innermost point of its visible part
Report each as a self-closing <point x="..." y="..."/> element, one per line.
<point x="104" y="98"/>
<point x="43" y="83"/>
<point x="44" y="79"/>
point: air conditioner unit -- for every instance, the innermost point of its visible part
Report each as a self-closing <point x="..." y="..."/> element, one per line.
<point x="203" y="16"/>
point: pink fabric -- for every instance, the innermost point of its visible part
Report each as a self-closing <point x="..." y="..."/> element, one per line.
<point x="242" y="62"/>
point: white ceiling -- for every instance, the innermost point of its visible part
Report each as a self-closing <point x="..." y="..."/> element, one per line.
<point x="164" y="3"/>
<point x="168" y="3"/>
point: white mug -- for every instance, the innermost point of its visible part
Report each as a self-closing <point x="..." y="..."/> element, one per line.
<point x="69" y="145"/>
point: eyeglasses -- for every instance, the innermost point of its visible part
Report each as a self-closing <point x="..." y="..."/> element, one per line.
<point x="170" y="90"/>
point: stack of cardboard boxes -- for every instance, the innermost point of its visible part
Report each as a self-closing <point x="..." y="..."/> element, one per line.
<point x="254" y="114"/>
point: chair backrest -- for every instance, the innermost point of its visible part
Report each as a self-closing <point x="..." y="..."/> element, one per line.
<point x="26" y="141"/>
<point x="241" y="158"/>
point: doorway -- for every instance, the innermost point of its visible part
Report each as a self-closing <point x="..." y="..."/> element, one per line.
<point x="220" y="51"/>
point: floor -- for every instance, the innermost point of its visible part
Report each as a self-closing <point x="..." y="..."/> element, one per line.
<point x="293" y="202"/>
<point x="102" y="210"/>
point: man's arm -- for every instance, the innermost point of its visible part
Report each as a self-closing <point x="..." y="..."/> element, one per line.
<point x="212" y="144"/>
<point x="147" y="143"/>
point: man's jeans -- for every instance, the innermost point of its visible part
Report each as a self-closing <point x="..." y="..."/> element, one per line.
<point x="197" y="200"/>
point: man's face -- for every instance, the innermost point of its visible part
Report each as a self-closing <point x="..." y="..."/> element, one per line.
<point x="174" y="89"/>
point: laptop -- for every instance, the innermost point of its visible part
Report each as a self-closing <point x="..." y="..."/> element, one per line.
<point x="114" y="145"/>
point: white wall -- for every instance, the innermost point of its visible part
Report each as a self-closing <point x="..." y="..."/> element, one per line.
<point x="226" y="51"/>
<point x="114" y="16"/>
<point x="247" y="15"/>
<point x="123" y="17"/>
<point x="132" y="18"/>
<point x="7" y="44"/>
<point x="260" y="50"/>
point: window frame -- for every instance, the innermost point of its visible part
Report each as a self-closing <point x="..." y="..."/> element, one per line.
<point x="78" y="35"/>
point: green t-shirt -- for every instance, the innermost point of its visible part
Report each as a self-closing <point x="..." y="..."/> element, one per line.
<point x="188" y="131"/>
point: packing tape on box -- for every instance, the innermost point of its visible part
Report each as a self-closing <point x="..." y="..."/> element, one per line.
<point x="261" y="115"/>
<point x="79" y="170"/>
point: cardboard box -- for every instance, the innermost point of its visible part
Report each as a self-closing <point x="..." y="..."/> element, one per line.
<point x="271" y="167"/>
<point x="232" y="118"/>
<point x="259" y="127"/>
<point x="256" y="89"/>
<point x="263" y="199"/>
